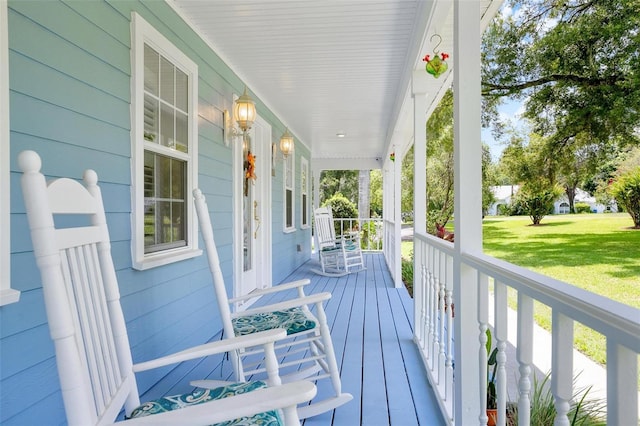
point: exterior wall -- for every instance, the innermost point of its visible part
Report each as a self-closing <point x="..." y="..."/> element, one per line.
<point x="70" y="72"/>
<point x="286" y="256"/>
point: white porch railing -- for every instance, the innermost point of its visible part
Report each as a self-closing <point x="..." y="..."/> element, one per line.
<point x="435" y="261"/>
<point x="371" y="232"/>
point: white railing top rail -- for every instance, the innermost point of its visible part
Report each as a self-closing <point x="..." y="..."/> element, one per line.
<point x="445" y="246"/>
<point x="609" y="317"/>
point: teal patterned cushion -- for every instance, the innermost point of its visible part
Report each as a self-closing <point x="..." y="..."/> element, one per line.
<point x="199" y="396"/>
<point x="293" y="320"/>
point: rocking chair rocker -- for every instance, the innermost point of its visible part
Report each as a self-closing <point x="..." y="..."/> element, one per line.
<point x="307" y="350"/>
<point x="95" y="366"/>
<point x="340" y="255"/>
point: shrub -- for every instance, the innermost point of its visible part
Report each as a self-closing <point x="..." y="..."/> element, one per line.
<point x="537" y="200"/>
<point x="626" y="190"/>
<point x="341" y="206"/>
<point x="407" y="273"/>
<point x="370" y="239"/>
<point x="582" y="208"/>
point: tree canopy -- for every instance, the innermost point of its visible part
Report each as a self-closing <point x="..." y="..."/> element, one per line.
<point x="574" y="63"/>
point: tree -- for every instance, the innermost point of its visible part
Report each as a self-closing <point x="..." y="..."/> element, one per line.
<point x="343" y="181"/>
<point x="625" y="186"/>
<point x="536" y="199"/>
<point x="364" y="195"/>
<point x="528" y="164"/>
<point x="375" y="189"/>
<point x="575" y="63"/>
<point x="626" y="190"/>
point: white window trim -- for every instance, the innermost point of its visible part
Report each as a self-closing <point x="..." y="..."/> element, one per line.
<point x="7" y="294"/>
<point x="292" y="228"/>
<point x="304" y="190"/>
<point x="143" y="33"/>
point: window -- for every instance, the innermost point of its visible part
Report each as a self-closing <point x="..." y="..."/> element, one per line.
<point x="7" y="295"/>
<point x="164" y="132"/>
<point x="288" y="193"/>
<point x="304" y="190"/>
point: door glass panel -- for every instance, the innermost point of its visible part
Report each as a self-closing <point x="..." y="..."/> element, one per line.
<point x="247" y="234"/>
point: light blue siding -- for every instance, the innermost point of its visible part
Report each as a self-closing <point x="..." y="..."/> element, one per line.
<point x="70" y="70"/>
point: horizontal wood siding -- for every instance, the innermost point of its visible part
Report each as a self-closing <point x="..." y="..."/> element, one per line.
<point x="285" y="244"/>
<point x="70" y="76"/>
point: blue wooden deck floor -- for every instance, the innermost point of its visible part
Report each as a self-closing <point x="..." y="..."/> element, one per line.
<point x="380" y="366"/>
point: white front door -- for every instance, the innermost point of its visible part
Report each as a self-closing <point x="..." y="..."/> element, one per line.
<point x="252" y="172"/>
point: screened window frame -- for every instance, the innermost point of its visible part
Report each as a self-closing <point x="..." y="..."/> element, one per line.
<point x="7" y="294"/>
<point x="142" y="34"/>
<point x="289" y="194"/>
<point x="304" y="193"/>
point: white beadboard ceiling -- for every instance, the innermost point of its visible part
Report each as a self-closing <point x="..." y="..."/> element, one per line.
<point x="331" y="66"/>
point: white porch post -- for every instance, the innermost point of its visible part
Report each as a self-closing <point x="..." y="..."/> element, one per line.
<point x="397" y="217"/>
<point x="315" y="174"/>
<point x="468" y="206"/>
<point x="419" y="89"/>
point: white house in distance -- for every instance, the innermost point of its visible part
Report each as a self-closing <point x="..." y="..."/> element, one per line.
<point x="504" y="194"/>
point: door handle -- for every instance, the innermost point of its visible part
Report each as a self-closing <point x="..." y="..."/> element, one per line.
<point x="256" y="218"/>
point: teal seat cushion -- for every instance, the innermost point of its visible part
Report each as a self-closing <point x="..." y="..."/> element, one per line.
<point x="199" y="396"/>
<point x="293" y="320"/>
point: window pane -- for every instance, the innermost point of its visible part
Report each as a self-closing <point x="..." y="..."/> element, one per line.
<point x="149" y="223"/>
<point x="151" y="118"/>
<point x="151" y="71"/>
<point x="182" y="132"/>
<point x="182" y="91"/>
<point x="149" y="177"/>
<point x="167" y="81"/>
<point x="289" y="207"/>
<point x="178" y="179"/>
<point x="165" y="205"/>
<point x="304" y="209"/>
<point x="167" y="137"/>
<point x="163" y="176"/>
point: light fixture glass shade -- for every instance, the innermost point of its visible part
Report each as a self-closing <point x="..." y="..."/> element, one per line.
<point x="286" y="143"/>
<point x="244" y="111"/>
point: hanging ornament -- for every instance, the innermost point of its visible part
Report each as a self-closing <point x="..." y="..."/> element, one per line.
<point x="438" y="65"/>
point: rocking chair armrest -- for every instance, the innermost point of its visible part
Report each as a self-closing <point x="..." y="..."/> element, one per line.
<point x="213" y="348"/>
<point x="287" y="304"/>
<point x="234" y="407"/>
<point x="274" y="289"/>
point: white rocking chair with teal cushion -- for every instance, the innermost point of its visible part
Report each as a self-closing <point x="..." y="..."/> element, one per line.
<point x="95" y="366"/>
<point x="306" y="352"/>
<point x="339" y="255"/>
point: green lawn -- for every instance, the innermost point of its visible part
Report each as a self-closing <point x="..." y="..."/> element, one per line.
<point x="597" y="252"/>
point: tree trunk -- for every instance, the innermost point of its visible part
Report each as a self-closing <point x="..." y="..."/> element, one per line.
<point x="571" y="195"/>
<point x="363" y="194"/>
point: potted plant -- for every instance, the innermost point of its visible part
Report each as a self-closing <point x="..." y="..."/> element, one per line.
<point x="492" y="397"/>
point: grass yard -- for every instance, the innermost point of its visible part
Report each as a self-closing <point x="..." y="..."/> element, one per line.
<point x="599" y="253"/>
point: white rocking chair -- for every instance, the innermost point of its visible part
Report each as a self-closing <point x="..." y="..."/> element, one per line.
<point x="307" y="350"/>
<point x="340" y="255"/>
<point x="95" y="366"/>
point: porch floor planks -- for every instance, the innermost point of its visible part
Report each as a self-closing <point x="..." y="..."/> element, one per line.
<point x="380" y="366"/>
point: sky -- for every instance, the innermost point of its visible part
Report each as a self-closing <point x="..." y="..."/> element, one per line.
<point x="510" y="112"/>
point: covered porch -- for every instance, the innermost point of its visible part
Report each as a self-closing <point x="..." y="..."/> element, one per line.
<point x="372" y="329"/>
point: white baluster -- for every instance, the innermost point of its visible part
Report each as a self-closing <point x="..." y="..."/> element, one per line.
<point x="500" y="332"/>
<point x="449" y="349"/>
<point x="483" y="318"/>
<point x="434" y="309"/>
<point x="524" y="354"/>
<point x="622" y="390"/>
<point x="424" y="303"/>
<point x="561" y="365"/>
<point x="442" y="316"/>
